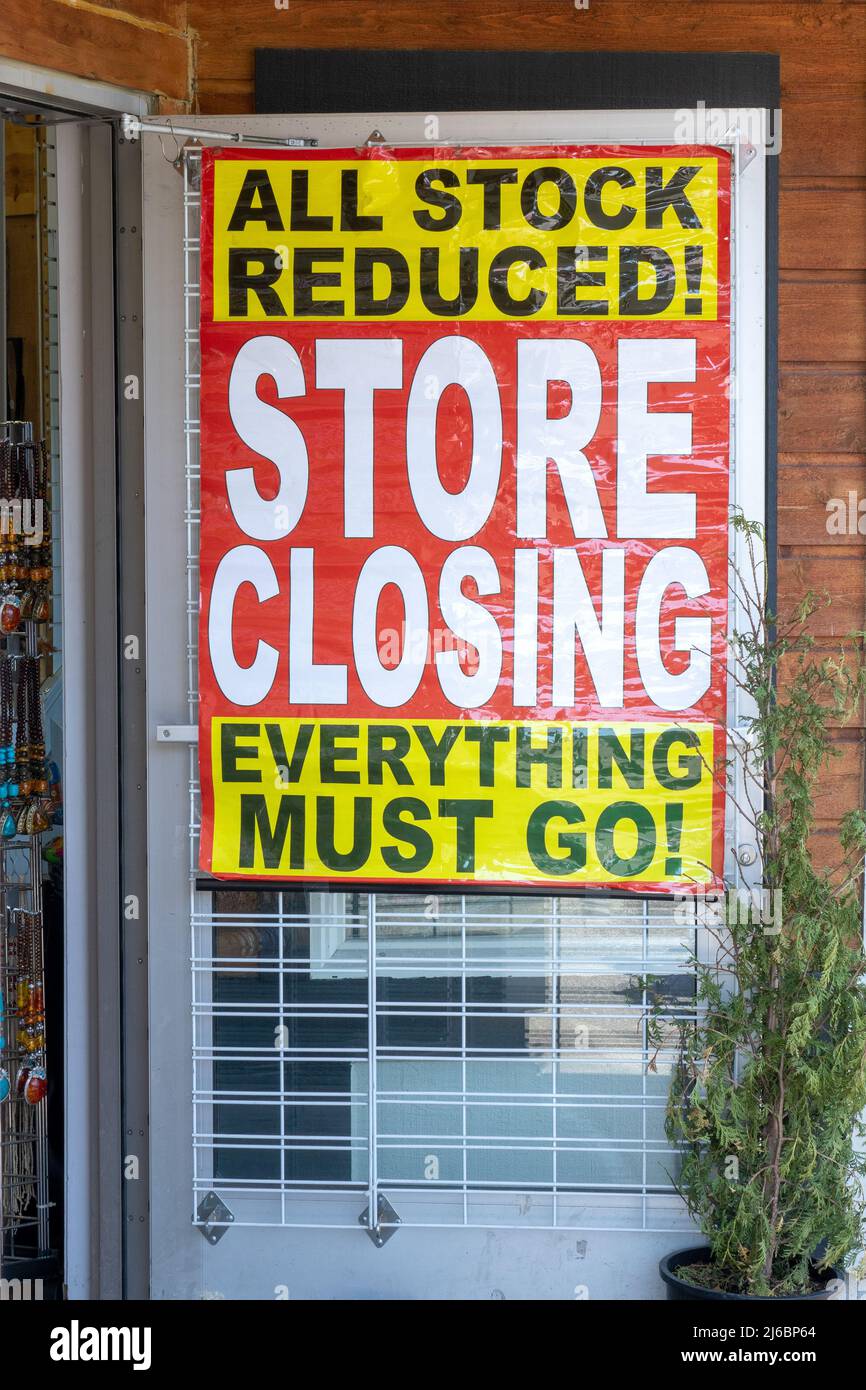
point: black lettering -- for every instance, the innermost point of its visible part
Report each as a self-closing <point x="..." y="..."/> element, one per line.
<point x="594" y="190"/>
<point x="255" y="819"/>
<point x="243" y="281"/>
<point x="347" y="861"/>
<point x="605" y="830"/>
<point x="306" y="279"/>
<point x="528" y="754"/>
<point x="630" y="764"/>
<point x="301" y="219"/>
<point x="437" y="752"/>
<point x="492" y="181"/>
<point x="466" y="813"/>
<point x="408" y="833"/>
<point x="378" y="756"/>
<point x="630" y="259"/>
<point x="694" y="259"/>
<point x="351" y="220"/>
<point x="290" y="768"/>
<point x="450" y="205"/>
<point x="366" y="259"/>
<point x="579" y="758"/>
<point x="331" y="752"/>
<point x="486" y="736"/>
<point x="231" y="753"/>
<point x="691" y="765"/>
<point x="532" y="185"/>
<point x="498" y="280"/>
<point x="256" y="183"/>
<point x="660" y="196"/>
<point x="569" y="279"/>
<point x="429" y="282"/>
<point x="572" y="841"/>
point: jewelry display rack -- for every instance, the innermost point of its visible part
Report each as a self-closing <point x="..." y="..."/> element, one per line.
<point x="24" y="1188"/>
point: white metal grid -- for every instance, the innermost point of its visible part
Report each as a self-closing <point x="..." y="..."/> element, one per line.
<point x="559" y="1104"/>
<point x="609" y="1171"/>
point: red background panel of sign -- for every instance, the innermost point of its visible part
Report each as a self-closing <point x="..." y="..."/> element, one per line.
<point x="338" y="559"/>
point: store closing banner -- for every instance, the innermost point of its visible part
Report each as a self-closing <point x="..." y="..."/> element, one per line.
<point x="464" y="521"/>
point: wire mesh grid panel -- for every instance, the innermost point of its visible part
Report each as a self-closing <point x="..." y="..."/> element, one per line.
<point x="477" y="1060"/>
<point x="487" y="1056"/>
<point x="24" y="1196"/>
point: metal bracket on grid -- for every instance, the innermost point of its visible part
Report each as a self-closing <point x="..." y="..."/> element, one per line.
<point x="745" y="151"/>
<point x="188" y="164"/>
<point x="386" y="1225"/>
<point x="213" y="1218"/>
<point x="176" y="733"/>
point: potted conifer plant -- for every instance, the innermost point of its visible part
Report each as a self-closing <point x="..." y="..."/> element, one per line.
<point x="769" y="1084"/>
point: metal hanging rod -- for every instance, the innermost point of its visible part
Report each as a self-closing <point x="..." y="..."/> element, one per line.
<point x="133" y="127"/>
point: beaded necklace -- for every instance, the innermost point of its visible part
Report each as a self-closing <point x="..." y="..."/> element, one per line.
<point x="41" y="573"/>
<point x="31" y="1083"/>
<point x="10" y="602"/>
<point x="7" y="751"/>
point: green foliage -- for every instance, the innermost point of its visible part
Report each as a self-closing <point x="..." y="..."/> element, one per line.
<point x="770" y="1083"/>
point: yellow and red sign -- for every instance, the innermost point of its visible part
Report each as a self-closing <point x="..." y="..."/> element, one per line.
<point x="464" y="515"/>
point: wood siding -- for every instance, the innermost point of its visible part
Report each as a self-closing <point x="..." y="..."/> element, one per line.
<point x="138" y="44"/>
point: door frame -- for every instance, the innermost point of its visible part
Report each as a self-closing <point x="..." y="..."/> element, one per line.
<point x="82" y="113"/>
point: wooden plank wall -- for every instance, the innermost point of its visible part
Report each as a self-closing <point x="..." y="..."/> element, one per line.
<point x="142" y="44"/>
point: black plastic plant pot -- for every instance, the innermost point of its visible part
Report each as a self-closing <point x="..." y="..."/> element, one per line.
<point x="678" y="1288"/>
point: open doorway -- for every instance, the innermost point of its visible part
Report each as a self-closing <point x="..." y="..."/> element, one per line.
<point x="31" y="716"/>
<point x="62" y="320"/>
